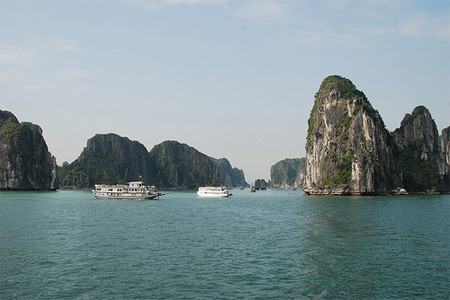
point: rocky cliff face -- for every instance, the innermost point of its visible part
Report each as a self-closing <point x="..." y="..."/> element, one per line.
<point x="25" y="162"/>
<point x="112" y="159"/>
<point x="229" y="176"/>
<point x="419" y="127"/>
<point x="348" y="149"/>
<point x="445" y="159"/>
<point x="109" y="159"/>
<point x="420" y="151"/>
<point x="238" y="178"/>
<point x="260" y="184"/>
<point x="288" y="173"/>
<point x="182" y="166"/>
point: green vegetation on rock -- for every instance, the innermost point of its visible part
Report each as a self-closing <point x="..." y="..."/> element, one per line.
<point x="182" y="166"/>
<point x="288" y="173"/>
<point x="344" y="171"/>
<point x="25" y="162"/>
<point x="111" y="159"/>
<point x="342" y="127"/>
<point x="108" y="159"/>
<point x="345" y="86"/>
<point x="418" y="175"/>
<point x="10" y="131"/>
<point x="350" y="151"/>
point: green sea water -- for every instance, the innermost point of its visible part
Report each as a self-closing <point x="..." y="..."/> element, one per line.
<point x="273" y="244"/>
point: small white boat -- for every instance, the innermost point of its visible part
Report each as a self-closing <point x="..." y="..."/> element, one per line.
<point x="213" y="192"/>
<point x="134" y="190"/>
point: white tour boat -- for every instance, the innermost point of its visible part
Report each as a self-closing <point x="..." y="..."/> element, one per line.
<point x="133" y="190"/>
<point x="213" y="192"/>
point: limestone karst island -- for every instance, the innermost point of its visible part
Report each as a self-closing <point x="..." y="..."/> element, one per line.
<point x="349" y="151"/>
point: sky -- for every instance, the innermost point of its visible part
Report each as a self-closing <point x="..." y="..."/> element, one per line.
<point x="233" y="79"/>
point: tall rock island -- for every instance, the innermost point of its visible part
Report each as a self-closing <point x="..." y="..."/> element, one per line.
<point x="182" y="166"/>
<point x="350" y="152"/>
<point x="288" y="173"/>
<point x="418" y="142"/>
<point x="229" y="176"/>
<point x="109" y="159"/>
<point x="348" y="149"/>
<point x="445" y="154"/>
<point x="25" y="162"/>
<point x="112" y="159"/>
<point x="423" y="153"/>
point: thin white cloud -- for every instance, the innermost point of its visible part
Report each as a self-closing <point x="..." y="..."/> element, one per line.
<point x="375" y="21"/>
<point x="78" y="74"/>
<point x="425" y="26"/>
<point x="312" y="37"/>
<point x="34" y="49"/>
<point x="59" y="44"/>
<point x="11" y="76"/>
<point x="261" y="8"/>
<point x="32" y="87"/>
<point x="172" y="2"/>
<point x="20" y="57"/>
<point x="157" y="4"/>
<point x="372" y="9"/>
<point x="387" y="13"/>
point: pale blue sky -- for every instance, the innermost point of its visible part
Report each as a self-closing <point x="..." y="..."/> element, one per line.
<point x="233" y="79"/>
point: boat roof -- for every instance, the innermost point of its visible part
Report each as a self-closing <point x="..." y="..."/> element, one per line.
<point x="121" y="185"/>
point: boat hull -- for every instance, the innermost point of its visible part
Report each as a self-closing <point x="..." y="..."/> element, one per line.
<point x="213" y="192"/>
<point x="134" y="190"/>
<point x="127" y="197"/>
<point x="203" y="195"/>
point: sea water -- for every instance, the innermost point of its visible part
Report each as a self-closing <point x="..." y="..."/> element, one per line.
<point x="274" y="244"/>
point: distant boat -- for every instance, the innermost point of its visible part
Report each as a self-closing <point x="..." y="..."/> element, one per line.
<point x="252" y="189"/>
<point x="134" y="190"/>
<point x="213" y="192"/>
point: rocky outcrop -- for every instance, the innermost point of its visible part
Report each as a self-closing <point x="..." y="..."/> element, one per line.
<point x="419" y="127"/>
<point x="445" y="159"/>
<point x="288" y="173"/>
<point x="229" y="176"/>
<point x="25" y="162"/>
<point x="348" y="149"/>
<point x="109" y="159"/>
<point x="420" y="151"/>
<point x="260" y="184"/>
<point x="238" y="178"/>
<point x="182" y="166"/>
<point x="112" y="159"/>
